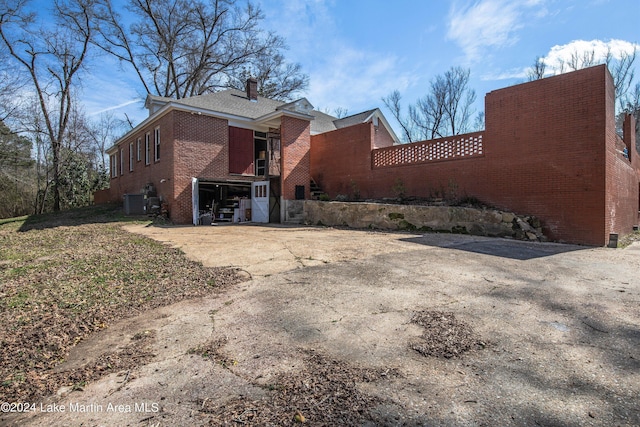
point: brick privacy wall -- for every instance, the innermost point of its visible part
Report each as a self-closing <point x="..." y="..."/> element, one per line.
<point x="629" y="129"/>
<point x="101" y="197"/>
<point x="295" y="140"/>
<point x="341" y="158"/>
<point x="623" y="181"/>
<point x="135" y="181"/>
<point x="544" y="146"/>
<point x="545" y="142"/>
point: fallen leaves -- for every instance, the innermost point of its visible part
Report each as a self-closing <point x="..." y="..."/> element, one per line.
<point x="443" y="335"/>
<point x="324" y="392"/>
<point x="61" y="283"/>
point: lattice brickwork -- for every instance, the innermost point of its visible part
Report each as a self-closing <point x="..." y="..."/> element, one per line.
<point x="450" y="148"/>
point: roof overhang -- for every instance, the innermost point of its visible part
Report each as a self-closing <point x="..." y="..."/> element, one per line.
<point x="262" y="123"/>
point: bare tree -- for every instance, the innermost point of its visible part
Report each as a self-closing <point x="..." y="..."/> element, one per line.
<point x="631" y="105"/>
<point x="479" y="122"/>
<point x="182" y="48"/>
<point x="428" y="114"/>
<point x="16" y="173"/>
<point x="392" y="102"/>
<point x="622" y="72"/>
<point x="445" y="110"/>
<point x="103" y="132"/>
<point x="276" y="78"/>
<point x="11" y="83"/>
<point x="578" y="61"/>
<point x="340" y="112"/>
<point x="537" y="70"/>
<point x="53" y="59"/>
<point x="458" y="100"/>
<point x="621" y="69"/>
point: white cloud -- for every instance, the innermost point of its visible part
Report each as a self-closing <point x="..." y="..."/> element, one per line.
<point x="341" y="74"/>
<point x="560" y="57"/>
<point x="513" y="73"/>
<point x="489" y="23"/>
<point x="356" y="80"/>
<point x="117" y="107"/>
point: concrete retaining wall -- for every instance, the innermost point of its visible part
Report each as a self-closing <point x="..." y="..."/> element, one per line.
<point x="450" y="219"/>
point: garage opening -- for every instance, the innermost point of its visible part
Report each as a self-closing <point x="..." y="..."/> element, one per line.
<point x="221" y="202"/>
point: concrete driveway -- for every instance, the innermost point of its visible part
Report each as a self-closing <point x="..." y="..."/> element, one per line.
<point x="558" y="327"/>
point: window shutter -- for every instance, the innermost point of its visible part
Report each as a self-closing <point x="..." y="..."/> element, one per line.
<point x="241" y="151"/>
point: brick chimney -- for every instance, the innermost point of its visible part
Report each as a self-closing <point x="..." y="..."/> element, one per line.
<point x="252" y="89"/>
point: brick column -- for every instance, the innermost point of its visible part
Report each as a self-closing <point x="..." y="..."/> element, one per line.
<point x="295" y="141"/>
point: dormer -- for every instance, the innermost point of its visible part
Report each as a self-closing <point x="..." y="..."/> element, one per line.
<point x="301" y="105"/>
<point x="154" y="103"/>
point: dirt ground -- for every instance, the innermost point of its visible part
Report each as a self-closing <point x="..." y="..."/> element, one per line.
<point x="336" y="327"/>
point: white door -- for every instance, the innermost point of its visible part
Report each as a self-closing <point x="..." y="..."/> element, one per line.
<point x="260" y="201"/>
<point x="195" y="200"/>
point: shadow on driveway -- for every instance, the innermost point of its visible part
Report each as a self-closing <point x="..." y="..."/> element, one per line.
<point x="505" y="248"/>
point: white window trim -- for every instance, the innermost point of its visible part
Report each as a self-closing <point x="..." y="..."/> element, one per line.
<point x="121" y="161"/>
<point x="147" y="148"/>
<point x="131" y="157"/>
<point x="156" y="139"/>
<point x="139" y="147"/>
<point x="114" y="165"/>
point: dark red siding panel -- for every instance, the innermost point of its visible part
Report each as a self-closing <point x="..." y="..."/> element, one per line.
<point x="241" y="151"/>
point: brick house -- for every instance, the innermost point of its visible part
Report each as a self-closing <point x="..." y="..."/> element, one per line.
<point x="235" y="155"/>
<point x="549" y="149"/>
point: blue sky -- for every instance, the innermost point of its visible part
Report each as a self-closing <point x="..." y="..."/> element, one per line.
<point x="356" y="52"/>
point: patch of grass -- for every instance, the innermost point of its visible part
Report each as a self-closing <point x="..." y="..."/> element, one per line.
<point x="63" y="277"/>
<point x="629" y="239"/>
<point x="18" y="300"/>
<point x="14" y="219"/>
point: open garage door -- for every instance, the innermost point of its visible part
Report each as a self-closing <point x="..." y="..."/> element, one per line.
<point x="260" y="201"/>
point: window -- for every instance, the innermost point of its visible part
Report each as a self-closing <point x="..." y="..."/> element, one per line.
<point x="139" y="142"/>
<point x="114" y="163"/>
<point x="121" y="161"/>
<point x="147" y="154"/>
<point x="131" y="157"/>
<point x="260" y="153"/>
<point x="156" y="139"/>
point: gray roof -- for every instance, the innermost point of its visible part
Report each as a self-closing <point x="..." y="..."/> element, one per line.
<point x="229" y="101"/>
<point x="235" y="102"/>
<point x="353" y="120"/>
<point x="323" y="122"/>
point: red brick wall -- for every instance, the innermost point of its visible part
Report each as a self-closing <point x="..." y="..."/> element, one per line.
<point x="192" y="145"/>
<point x="382" y="137"/>
<point x="102" y="197"/>
<point x="133" y="182"/>
<point x="623" y="177"/>
<point x="201" y="150"/>
<point x="545" y="143"/>
<point x="342" y="157"/>
<point x="545" y="146"/>
<point x="295" y="158"/>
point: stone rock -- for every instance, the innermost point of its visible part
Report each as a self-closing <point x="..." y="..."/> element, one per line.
<point x="535" y="222"/>
<point x="531" y="236"/>
<point x="508" y="217"/>
<point x="524" y="226"/>
<point x="482" y="222"/>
